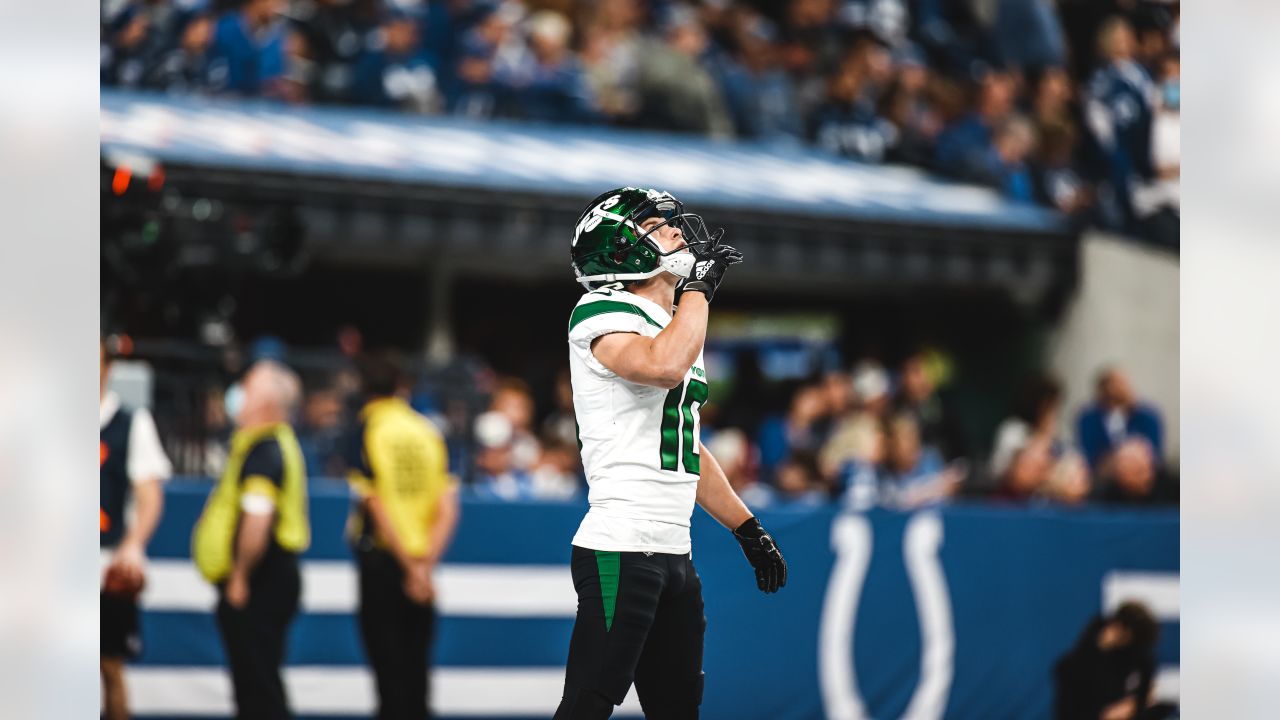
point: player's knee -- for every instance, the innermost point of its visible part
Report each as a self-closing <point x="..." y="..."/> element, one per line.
<point x="583" y="704"/>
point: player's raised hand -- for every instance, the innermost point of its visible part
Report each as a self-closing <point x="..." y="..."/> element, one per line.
<point x="763" y="554"/>
<point x="708" y="270"/>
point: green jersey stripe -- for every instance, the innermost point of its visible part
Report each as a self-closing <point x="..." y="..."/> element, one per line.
<point x="609" y="565"/>
<point x="590" y="310"/>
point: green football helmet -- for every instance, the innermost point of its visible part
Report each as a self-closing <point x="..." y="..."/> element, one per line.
<point x="610" y="249"/>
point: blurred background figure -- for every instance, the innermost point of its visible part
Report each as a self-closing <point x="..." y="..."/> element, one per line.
<point x="797" y="482"/>
<point x="247" y="541"/>
<point x="1115" y="415"/>
<point x="1131" y="475"/>
<point x="1108" y="674"/>
<point x="674" y="84"/>
<point x="1029" y="468"/>
<point x="850" y="123"/>
<point x="131" y="467"/>
<point x="551" y="86"/>
<point x="250" y="52"/>
<point x="913" y="475"/>
<point x="965" y="146"/>
<point x="733" y="450"/>
<point x="802" y="429"/>
<point x="513" y="400"/>
<point x="405" y="513"/>
<point x="918" y="395"/>
<point x="1118" y="111"/>
<point x="394" y="69"/>
<point x="496" y="473"/>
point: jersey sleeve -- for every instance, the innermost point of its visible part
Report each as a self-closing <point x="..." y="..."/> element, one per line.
<point x="590" y="320"/>
<point x="261" y="477"/>
<point x="593" y="319"/>
<point x="146" y="458"/>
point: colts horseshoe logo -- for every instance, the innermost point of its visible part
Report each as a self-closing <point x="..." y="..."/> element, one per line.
<point x="851" y="538"/>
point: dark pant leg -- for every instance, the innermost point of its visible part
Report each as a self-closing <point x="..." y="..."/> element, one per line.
<point x="669" y="678"/>
<point x="118" y="618"/>
<point x="420" y="621"/>
<point x="610" y="629"/>
<point x="254" y="637"/>
<point x="397" y="633"/>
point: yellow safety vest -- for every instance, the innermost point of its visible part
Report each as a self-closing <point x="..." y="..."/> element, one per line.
<point x="213" y="542"/>
<point x="404" y="462"/>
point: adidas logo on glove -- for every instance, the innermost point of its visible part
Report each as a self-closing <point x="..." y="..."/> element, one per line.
<point x="701" y="269"/>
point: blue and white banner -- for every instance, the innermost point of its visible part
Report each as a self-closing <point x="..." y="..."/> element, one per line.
<point x="953" y="614"/>
<point x="572" y="161"/>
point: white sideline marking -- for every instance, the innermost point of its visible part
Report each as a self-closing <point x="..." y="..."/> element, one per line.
<point x="330" y="586"/>
<point x="466" y="692"/>
<point x="1157" y="590"/>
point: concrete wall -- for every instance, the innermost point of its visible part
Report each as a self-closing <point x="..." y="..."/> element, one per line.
<point x="1125" y="313"/>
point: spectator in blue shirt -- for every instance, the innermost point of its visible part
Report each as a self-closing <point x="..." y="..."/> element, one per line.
<point x="1115" y="416"/>
<point x="759" y="93"/>
<point x="490" y="51"/>
<point x="913" y="475"/>
<point x="850" y="123"/>
<point x="1006" y="162"/>
<point x="249" y="51"/>
<point x="1029" y="34"/>
<point x="183" y="69"/>
<point x="804" y="428"/>
<point x="1118" y="112"/>
<point x="496" y="474"/>
<point x="550" y="85"/>
<point x="140" y="37"/>
<point x="392" y="71"/>
<point x="964" y="148"/>
<point x="908" y="106"/>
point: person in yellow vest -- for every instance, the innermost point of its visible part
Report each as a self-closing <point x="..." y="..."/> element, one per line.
<point x="249" y="536"/>
<point x="405" y="513"/>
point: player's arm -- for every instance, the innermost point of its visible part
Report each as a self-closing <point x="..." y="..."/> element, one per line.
<point x="148" y="468"/>
<point x="262" y="476"/>
<point x="660" y="361"/>
<point x="446" y="521"/>
<point x="252" y="538"/>
<point x="718" y="498"/>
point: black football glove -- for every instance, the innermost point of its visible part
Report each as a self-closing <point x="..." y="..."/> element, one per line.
<point x="763" y="554"/>
<point x="708" y="271"/>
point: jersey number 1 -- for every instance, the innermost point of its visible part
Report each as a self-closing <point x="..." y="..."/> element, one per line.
<point x="674" y="413"/>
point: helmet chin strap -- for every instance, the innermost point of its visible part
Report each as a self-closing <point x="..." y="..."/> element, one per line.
<point x="679" y="264"/>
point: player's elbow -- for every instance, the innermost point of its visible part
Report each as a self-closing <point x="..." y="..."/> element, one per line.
<point x="669" y="374"/>
<point x="670" y="381"/>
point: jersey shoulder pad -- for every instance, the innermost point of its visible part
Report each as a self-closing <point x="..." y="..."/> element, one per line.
<point x="603" y="311"/>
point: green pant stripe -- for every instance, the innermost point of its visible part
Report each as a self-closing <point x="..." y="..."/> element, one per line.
<point x="609" y="565"/>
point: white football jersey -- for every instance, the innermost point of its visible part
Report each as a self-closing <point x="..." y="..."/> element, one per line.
<point x="639" y="443"/>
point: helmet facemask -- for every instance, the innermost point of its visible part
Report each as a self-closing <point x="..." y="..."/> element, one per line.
<point x="693" y="230"/>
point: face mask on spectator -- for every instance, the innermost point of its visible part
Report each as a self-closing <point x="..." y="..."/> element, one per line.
<point x="233" y="401"/>
<point x="1172" y="94"/>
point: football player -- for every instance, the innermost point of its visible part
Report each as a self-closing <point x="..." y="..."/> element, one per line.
<point x="638" y="382"/>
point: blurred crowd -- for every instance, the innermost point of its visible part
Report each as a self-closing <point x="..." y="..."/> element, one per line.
<point x="1072" y="104"/>
<point x="866" y="437"/>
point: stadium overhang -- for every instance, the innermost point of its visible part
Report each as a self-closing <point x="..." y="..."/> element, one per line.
<point x="396" y="190"/>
